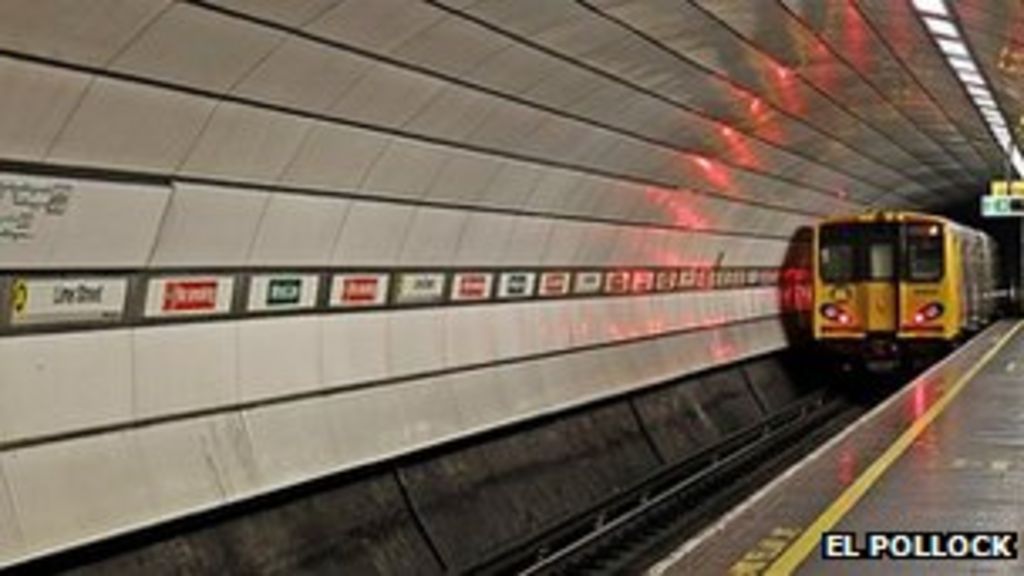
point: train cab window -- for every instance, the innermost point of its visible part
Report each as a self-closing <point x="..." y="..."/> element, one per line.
<point x="837" y="263"/>
<point x="838" y="253"/>
<point x="924" y="261"/>
<point x="881" y="261"/>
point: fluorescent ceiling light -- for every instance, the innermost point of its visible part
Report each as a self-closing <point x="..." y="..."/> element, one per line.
<point x="962" y="64"/>
<point x="1017" y="161"/>
<point x="931" y="7"/>
<point x="979" y="91"/>
<point x="952" y="47"/>
<point x="970" y="78"/>
<point x="941" y="27"/>
<point x="946" y="35"/>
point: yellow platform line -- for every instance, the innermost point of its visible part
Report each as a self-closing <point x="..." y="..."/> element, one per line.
<point x="795" y="555"/>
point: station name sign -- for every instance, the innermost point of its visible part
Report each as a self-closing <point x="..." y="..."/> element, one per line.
<point x="67" y="300"/>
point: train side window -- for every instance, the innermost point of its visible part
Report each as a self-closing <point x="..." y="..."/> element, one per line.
<point x="925" y="254"/>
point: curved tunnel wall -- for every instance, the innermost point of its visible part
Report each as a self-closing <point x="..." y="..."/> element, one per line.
<point x="233" y="139"/>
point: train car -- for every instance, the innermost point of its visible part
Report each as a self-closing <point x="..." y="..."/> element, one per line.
<point x="893" y="286"/>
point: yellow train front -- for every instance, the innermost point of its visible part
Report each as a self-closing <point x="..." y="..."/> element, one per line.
<point x="892" y="286"/>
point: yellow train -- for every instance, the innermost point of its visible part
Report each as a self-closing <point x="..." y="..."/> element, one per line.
<point x="890" y="286"/>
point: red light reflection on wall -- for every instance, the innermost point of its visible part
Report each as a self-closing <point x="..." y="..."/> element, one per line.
<point x="722" y="350"/>
<point x="676" y="207"/>
<point x="715" y="173"/>
<point x="784" y="85"/>
<point x="737" y="148"/>
<point x="855" y="40"/>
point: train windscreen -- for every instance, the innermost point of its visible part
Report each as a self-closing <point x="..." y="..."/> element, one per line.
<point x="855" y="252"/>
<point x="838" y="248"/>
<point x="924" y="260"/>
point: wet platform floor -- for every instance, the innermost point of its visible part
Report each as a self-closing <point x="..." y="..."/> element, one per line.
<point x="944" y="453"/>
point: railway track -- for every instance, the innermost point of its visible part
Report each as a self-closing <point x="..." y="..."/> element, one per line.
<point x="628" y="531"/>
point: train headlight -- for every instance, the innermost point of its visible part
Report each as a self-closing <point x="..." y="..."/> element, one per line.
<point x="835" y="314"/>
<point x="929" y="312"/>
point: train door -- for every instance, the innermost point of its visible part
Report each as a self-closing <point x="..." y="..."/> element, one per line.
<point x="880" y="288"/>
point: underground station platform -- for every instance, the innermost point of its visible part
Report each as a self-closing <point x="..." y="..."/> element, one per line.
<point x="937" y="470"/>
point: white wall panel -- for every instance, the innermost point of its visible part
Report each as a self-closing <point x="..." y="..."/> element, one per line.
<point x="103" y="225"/>
<point x="416" y="341"/>
<point x="246" y="143"/>
<point x="588" y="319"/>
<point x="56" y="383"/>
<point x="372" y="234"/>
<point x="406" y="169"/>
<point x="355" y="348"/>
<point x="291" y="442"/>
<point x="454" y="113"/>
<point x="289" y="12"/>
<point x="70" y="491"/>
<point x="483" y="238"/>
<point x="386" y="96"/>
<point x="298" y="231"/>
<point x="597" y="247"/>
<point x="469" y="335"/>
<point x="192" y="46"/>
<point x="90" y="32"/>
<point x="493" y="396"/>
<point x="302" y="74"/>
<point x="207" y="225"/>
<point x="526" y="243"/>
<point x="179" y="466"/>
<point x="429" y="411"/>
<point x="453" y="45"/>
<point x="512" y="186"/>
<point x="278" y="356"/>
<point x="565" y="243"/>
<point x="35" y="101"/>
<point x="366" y="423"/>
<point x="431" y="237"/>
<point x="464" y="178"/>
<point x="10" y="529"/>
<point x="185" y="367"/>
<point x="509" y="128"/>
<point x="554" y="192"/>
<point x="132" y="126"/>
<point x="229" y="448"/>
<point x="181" y="458"/>
<point x="334" y="156"/>
<point x="378" y="24"/>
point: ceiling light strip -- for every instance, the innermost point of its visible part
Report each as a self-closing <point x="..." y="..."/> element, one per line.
<point x="940" y="24"/>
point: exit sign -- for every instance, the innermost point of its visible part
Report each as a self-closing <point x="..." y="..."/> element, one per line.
<point x="1002" y="206"/>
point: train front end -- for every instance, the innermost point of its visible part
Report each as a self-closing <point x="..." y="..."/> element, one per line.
<point x="883" y="287"/>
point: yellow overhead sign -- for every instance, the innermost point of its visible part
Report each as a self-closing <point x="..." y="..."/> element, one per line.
<point x="1006" y="187"/>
